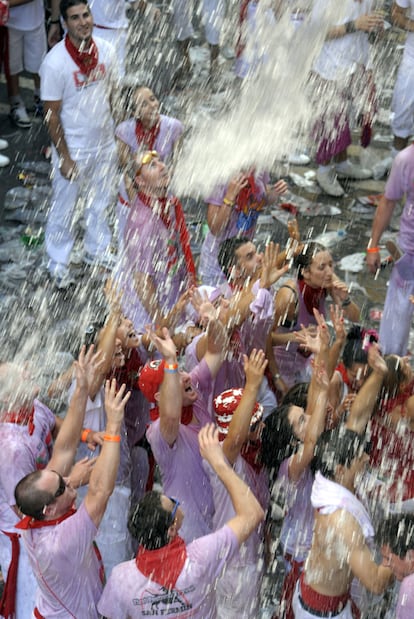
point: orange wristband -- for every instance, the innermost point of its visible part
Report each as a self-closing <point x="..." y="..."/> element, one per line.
<point x="112" y="438"/>
<point x="171" y="366"/>
<point x="372" y="250"/>
<point x="84" y="435"/>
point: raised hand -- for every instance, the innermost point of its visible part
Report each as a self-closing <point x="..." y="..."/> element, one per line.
<point x="236" y="184"/>
<point x="309" y="338"/>
<point x="254" y="367"/>
<point x="375" y="360"/>
<point x="210" y="450"/>
<point x="337" y="318"/>
<point x="217" y="337"/>
<point x="163" y="343"/>
<point x="87" y="366"/>
<point x="270" y="272"/>
<point x="81" y="471"/>
<point x="320" y="374"/>
<point x="276" y="190"/>
<point x="202" y="305"/>
<point x="115" y="401"/>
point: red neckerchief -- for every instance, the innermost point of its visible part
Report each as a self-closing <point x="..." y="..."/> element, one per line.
<point x="31" y="523"/>
<point x="147" y="137"/>
<point x="240" y="45"/>
<point x="87" y="60"/>
<point x="129" y="373"/>
<point x="250" y="453"/>
<point x="163" y="565"/>
<point x="311" y="296"/>
<point x="180" y="229"/>
<point x="8" y="599"/>
<point x="246" y="194"/>
<point x="23" y="416"/>
<point x="186" y="414"/>
<point x="342" y="370"/>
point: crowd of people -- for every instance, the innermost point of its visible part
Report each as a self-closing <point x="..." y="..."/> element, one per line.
<point x="217" y="392"/>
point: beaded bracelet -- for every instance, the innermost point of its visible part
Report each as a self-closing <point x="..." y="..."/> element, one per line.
<point x="372" y="250"/>
<point x="112" y="438"/>
<point x="84" y="435"/>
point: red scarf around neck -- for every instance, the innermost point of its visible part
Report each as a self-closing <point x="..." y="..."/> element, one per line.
<point x="87" y="60"/>
<point x="180" y="228"/>
<point x="23" y="416"/>
<point x="312" y="297"/>
<point x="246" y="194"/>
<point x="163" y="565"/>
<point x="147" y="137"/>
<point x="31" y="523"/>
<point x="342" y="370"/>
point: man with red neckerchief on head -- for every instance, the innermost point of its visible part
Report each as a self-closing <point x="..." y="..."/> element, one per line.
<point x="182" y="408"/>
<point x="75" y="85"/>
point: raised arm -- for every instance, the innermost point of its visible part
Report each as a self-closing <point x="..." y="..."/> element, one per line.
<point x="254" y="368"/>
<point x="67" y="440"/>
<point x="103" y="476"/>
<point x="248" y="511"/>
<point x="363" y="405"/>
<point x="382" y="218"/>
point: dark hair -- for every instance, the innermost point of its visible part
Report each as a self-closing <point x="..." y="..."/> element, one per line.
<point x="92" y="332"/>
<point x="337" y="447"/>
<point x="67" y="4"/>
<point x="278" y="439"/>
<point x="227" y="253"/>
<point x="297" y="395"/>
<point x="354" y="346"/>
<point x="148" y="521"/>
<point x="394" y="377"/>
<point x="30" y="499"/>
<point x="304" y="259"/>
<point x="397" y="532"/>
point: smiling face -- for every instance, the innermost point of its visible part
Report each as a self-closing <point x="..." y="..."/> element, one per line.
<point x="189" y="394"/>
<point x="153" y="176"/>
<point x="248" y="260"/>
<point x="79" y="24"/>
<point x="146" y="107"/>
<point x="126" y="334"/>
<point x="320" y="272"/>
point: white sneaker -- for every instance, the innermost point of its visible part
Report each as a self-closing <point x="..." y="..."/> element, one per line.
<point x="3" y="144"/>
<point x="298" y="158"/>
<point x="4" y="161"/>
<point x="18" y="115"/>
<point x="329" y="183"/>
<point x="62" y="277"/>
<point x="381" y="168"/>
<point x="347" y="169"/>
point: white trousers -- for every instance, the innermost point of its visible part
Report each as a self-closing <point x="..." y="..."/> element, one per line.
<point x="403" y="99"/>
<point x="213" y="12"/>
<point x="92" y="193"/>
<point x="301" y="613"/>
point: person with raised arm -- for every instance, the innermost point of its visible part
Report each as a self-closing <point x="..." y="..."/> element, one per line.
<point x="168" y="574"/>
<point x="59" y="539"/>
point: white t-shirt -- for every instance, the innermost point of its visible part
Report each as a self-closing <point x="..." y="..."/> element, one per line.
<point x="339" y="58"/>
<point x="109" y="13"/>
<point x="27" y="16"/>
<point x="409" y="42"/>
<point x="85" y="113"/>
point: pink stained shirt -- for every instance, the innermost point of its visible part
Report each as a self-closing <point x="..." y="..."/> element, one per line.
<point x="66" y="567"/>
<point x="131" y="595"/>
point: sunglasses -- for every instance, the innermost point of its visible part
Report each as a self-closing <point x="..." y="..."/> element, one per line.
<point x="148" y="157"/>
<point x="61" y="488"/>
<point x="176" y="506"/>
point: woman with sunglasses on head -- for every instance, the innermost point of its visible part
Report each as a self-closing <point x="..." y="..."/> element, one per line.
<point x="147" y="129"/>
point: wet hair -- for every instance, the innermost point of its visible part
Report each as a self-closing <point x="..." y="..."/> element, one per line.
<point x="67" y="4"/>
<point x="397" y="532"/>
<point x="30" y="499"/>
<point x="297" y="395"/>
<point x="92" y="331"/>
<point x="278" y="439"/>
<point x="304" y="259"/>
<point x="394" y="377"/>
<point x="227" y="253"/>
<point x="337" y="447"/>
<point x="354" y="346"/>
<point x="148" y="522"/>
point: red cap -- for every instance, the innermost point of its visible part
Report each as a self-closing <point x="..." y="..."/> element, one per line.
<point x="151" y="377"/>
<point x="224" y="406"/>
